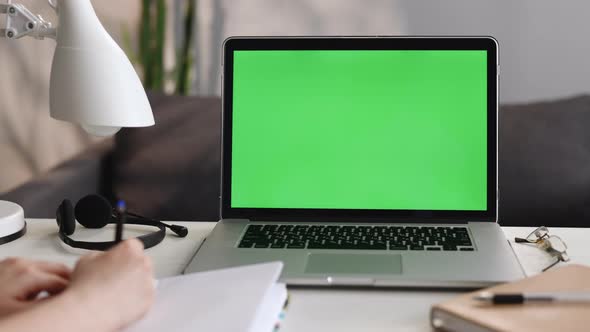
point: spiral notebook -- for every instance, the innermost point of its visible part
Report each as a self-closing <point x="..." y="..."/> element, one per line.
<point x="237" y="299"/>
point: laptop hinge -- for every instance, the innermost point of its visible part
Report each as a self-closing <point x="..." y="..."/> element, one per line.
<point x="235" y="220"/>
<point x="454" y="222"/>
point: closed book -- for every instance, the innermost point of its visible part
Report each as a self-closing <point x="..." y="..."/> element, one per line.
<point x="463" y="313"/>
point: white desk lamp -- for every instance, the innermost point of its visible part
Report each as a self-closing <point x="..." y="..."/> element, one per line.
<point x="92" y="83"/>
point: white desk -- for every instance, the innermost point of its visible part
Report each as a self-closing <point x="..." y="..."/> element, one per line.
<point x="310" y="309"/>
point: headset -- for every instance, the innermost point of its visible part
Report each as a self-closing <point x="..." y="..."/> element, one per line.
<point x="95" y="211"/>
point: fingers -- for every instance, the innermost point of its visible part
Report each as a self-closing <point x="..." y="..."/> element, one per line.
<point x="23" y="280"/>
<point x="91" y="256"/>
<point x="21" y="265"/>
<point x="128" y="249"/>
<point x="133" y="249"/>
<point x="133" y="246"/>
<point x="58" y="269"/>
<point x="35" y="282"/>
<point x="121" y="276"/>
<point x="127" y="253"/>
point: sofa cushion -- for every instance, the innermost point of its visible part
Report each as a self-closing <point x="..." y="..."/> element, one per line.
<point x="544" y="163"/>
<point x="171" y="171"/>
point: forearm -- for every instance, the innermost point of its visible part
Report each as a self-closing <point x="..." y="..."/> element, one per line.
<point x="61" y="313"/>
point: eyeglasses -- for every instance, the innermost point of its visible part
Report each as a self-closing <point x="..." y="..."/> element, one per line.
<point x="552" y="244"/>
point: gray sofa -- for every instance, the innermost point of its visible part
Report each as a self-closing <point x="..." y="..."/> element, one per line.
<point x="171" y="171"/>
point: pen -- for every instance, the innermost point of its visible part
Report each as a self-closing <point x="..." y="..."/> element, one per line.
<point x="522" y="298"/>
<point x="121" y="219"/>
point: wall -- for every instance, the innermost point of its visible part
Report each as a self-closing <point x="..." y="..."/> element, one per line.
<point x="544" y="44"/>
<point x="219" y="19"/>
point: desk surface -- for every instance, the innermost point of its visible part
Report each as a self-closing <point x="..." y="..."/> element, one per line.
<point x="310" y="309"/>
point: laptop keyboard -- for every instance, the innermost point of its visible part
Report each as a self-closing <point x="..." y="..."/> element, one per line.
<point x="357" y="237"/>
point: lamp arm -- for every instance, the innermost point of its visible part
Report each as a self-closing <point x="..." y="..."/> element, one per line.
<point x="22" y="22"/>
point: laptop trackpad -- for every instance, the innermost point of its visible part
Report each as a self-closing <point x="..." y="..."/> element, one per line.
<point x="354" y="264"/>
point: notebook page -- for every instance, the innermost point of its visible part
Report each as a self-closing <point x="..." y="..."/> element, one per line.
<point x="206" y="301"/>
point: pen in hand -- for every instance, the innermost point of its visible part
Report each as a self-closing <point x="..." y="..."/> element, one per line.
<point x="121" y="219"/>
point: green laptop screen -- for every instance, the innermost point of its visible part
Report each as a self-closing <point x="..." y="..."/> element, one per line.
<point x="368" y="129"/>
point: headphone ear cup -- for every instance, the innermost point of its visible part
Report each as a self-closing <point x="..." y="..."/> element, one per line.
<point x="93" y="211"/>
<point x="65" y="217"/>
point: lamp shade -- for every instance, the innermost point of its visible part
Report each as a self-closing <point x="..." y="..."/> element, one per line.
<point x="93" y="82"/>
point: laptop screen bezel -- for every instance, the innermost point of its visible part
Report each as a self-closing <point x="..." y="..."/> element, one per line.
<point x="488" y="44"/>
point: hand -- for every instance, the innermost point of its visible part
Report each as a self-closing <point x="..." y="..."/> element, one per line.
<point x="115" y="287"/>
<point x="21" y="281"/>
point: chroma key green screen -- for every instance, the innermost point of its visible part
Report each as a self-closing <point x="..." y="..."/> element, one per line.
<point x="348" y="129"/>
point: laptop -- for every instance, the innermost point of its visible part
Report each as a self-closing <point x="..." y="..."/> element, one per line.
<point x="361" y="161"/>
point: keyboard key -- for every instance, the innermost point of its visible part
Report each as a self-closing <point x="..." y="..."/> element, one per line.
<point x="254" y="228"/>
<point x="398" y="248"/>
<point x="466" y="249"/>
<point x="296" y="245"/>
<point x="315" y="245"/>
<point x="347" y="245"/>
<point x="331" y="244"/>
<point x="245" y="244"/>
<point x="433" y="248"/>
<point x="380" y="244"/>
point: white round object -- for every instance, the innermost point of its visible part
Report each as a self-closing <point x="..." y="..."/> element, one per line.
<point x="12" y="222"/>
